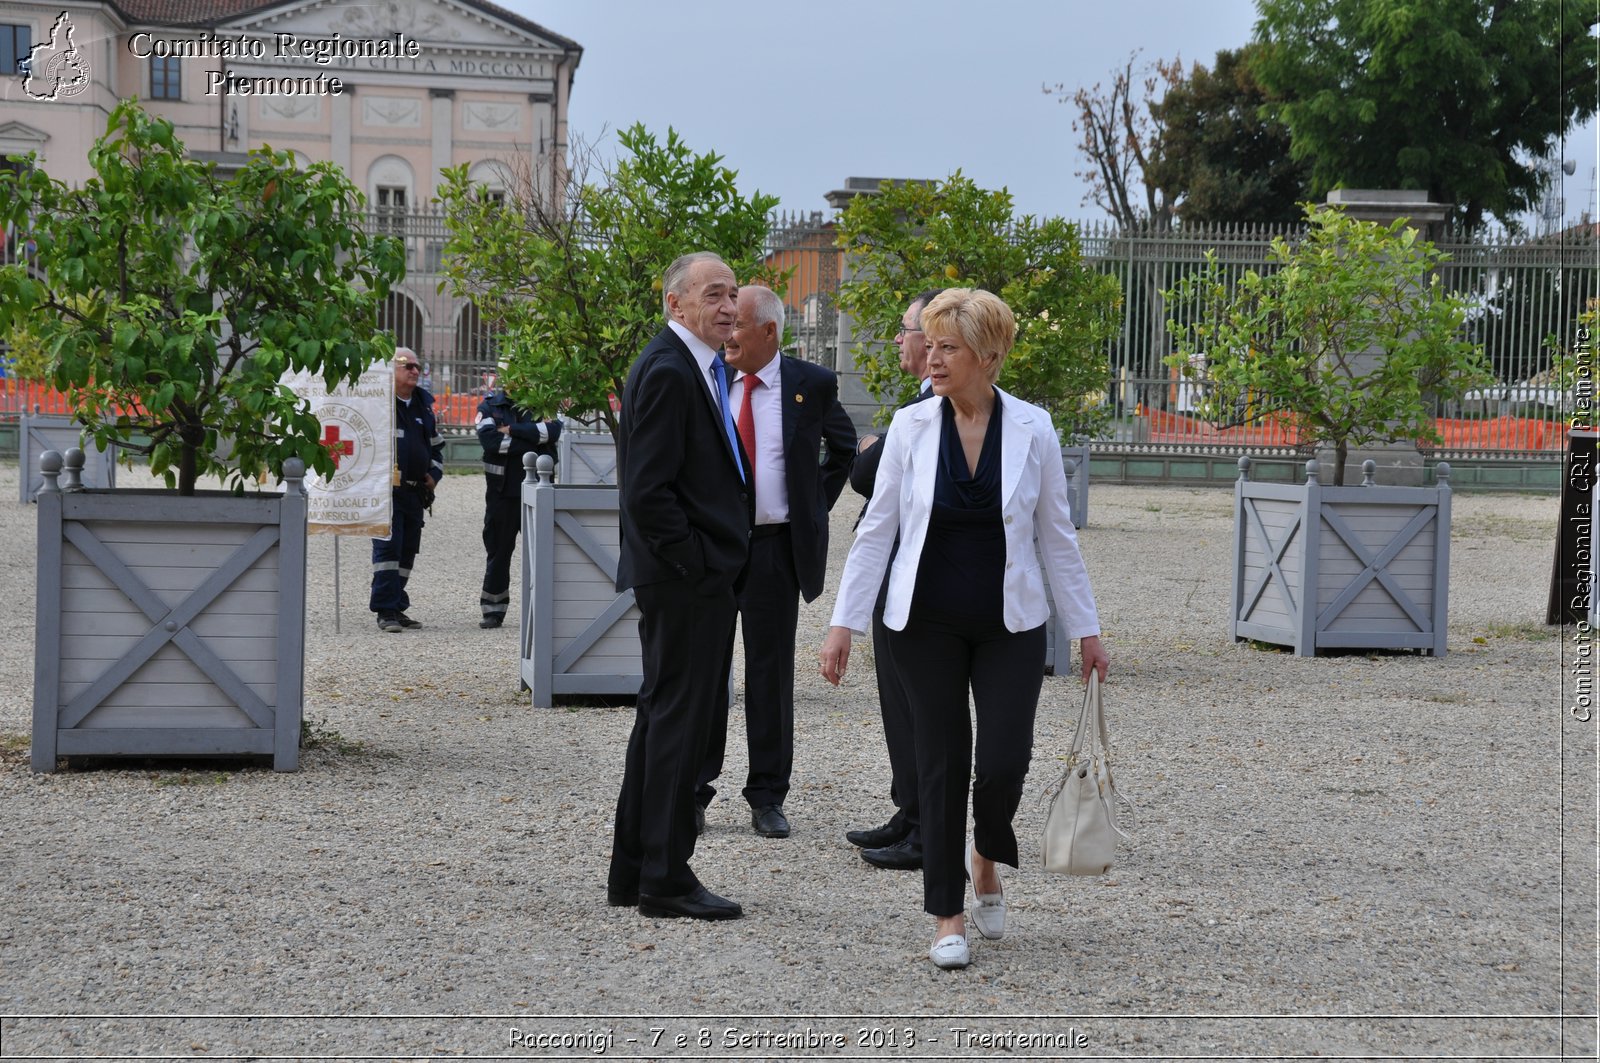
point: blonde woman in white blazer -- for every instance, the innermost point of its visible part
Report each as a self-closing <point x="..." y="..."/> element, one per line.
<point x="967" y="483"/>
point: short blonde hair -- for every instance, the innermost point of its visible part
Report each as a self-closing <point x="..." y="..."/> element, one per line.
<point x="981" y="319"/>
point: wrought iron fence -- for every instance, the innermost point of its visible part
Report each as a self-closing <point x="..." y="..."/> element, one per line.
<point x="1526" y="294"/>
<point x="458" y="348"/>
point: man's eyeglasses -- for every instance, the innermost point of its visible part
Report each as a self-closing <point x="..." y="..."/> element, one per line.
<point x="409" y="366"/>
<point x="905" y="330"/>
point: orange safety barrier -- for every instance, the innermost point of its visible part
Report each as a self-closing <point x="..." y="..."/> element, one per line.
<point x="1177" y="428"/>
<point x="22" y="396"/>
<point x="456" y="411"/>
<point x="26" y="396"/>
<point x="1501" y="433"/>
<point x="1495" y="433"/>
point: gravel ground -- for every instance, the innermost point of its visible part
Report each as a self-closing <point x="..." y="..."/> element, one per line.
<point x="1344" y="856"/>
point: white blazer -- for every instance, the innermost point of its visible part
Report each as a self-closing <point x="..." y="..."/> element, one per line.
<point x="1033" y="496"/>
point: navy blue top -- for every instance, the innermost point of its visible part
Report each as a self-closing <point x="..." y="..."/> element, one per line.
<point x="961" y="574"/>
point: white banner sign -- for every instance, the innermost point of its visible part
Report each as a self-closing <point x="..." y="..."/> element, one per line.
<point x="358" y="430"/>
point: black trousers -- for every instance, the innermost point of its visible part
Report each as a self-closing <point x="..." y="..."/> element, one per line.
<point x="938" y="660"/>
<point x="686" y="643"/>
<point x="899" y="730"/>
<point x="502" y="521"/>
<point x="769" y="609"/>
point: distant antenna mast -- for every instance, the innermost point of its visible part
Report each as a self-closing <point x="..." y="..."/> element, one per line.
<point x="1552" y="201"/>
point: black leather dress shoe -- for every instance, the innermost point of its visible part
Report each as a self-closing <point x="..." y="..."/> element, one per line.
<point x="621" y="898"/>
<point x="876" y="838"/>
<point x="769" y="821"/>
<point x="699" y="819"/>
<point x="700" y="904"/>
<point x="905" y="855"/>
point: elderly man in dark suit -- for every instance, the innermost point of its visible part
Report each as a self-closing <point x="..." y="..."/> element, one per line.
<point x="685" y="539"/>
<point x="799" y="441"/>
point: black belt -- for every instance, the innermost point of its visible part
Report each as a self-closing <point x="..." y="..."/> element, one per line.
<point x="763" y="531"/>
<point x="415" y="485"/>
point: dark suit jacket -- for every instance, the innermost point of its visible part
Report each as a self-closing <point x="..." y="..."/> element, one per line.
<point x="685" y="511"/>
<point x="864" y="477"/>
<point x="864" y="472"/>
<point x="812" y="418"/>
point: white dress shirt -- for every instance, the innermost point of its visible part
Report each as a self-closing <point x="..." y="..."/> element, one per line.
<point x="703" y="357"/>
<point x="766" y="405"/>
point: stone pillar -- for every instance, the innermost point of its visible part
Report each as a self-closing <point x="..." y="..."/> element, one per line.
<point x="341" y="121"/>
<point x="1398" y="464"/>
<point x="443" y="130"/>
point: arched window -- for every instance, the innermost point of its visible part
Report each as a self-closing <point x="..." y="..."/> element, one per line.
<point x="402" y="318"/>
<point x="391" y="190"/>
<point x="493" y="178"/>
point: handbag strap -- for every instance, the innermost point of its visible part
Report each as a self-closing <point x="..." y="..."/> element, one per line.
<point x="1093" y="733"/>
<point x="1091" y="724"/>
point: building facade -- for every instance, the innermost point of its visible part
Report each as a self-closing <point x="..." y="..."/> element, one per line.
<point x="391" y="91"/>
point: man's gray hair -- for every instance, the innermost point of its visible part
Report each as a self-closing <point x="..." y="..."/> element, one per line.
<point x="768" y="306"/>
<point x="677" y="275"/>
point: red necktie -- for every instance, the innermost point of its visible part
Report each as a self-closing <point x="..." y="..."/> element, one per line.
<point x="747" y="424"/>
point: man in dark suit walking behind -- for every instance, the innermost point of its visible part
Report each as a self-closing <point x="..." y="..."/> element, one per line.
<point x="788" y="410"/>
<point x="897" y="845"/>
<point x="685" y="538"/>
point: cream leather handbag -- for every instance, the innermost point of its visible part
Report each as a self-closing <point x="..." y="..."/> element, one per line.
<point x="1080" y="829"/>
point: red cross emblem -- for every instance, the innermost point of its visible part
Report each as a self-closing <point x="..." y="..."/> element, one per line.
<point x="337" y="448"/>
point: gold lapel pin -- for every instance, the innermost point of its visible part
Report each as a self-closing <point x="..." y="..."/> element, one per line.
<point x="799" y="397"/>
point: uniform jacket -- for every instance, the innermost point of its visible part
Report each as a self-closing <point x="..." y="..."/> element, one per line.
<point x="685" y="509"/>
<point x="502" y="453"/>
<point x="418" y="446"/>
<point x="1033" y="503"/>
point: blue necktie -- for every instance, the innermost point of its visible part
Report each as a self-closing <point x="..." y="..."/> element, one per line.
<point x="719" y="372"/>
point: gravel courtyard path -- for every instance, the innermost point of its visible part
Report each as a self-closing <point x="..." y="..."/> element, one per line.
<point x="1346" y="856"/>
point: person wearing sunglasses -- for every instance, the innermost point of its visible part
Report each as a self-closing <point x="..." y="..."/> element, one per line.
<point x="418" y="468"/>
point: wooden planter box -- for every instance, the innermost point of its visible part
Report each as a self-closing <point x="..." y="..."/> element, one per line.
<point x="61" y="434"/>
<point x="1075" y="459"/>
<point x="588" y="458"/>
<point x="168" y="625"/>
<point x="579" y="635"/>
<point x="1363" y="567"/>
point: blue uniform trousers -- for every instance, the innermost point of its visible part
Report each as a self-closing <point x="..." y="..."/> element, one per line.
<point x="392" y="558"/>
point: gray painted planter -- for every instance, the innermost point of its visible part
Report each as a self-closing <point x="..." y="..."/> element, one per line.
<point x="1364" y="567"/>
<point x="1075" y="459"/>
<point x="60" y="434"/>
<point x="579" y="635"/>
<point x="168" y="625"/>
<point x="588" y="458"/>
<point x="1056" y="643"/>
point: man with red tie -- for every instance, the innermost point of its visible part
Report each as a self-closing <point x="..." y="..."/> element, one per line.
<point x="799" y="443"/>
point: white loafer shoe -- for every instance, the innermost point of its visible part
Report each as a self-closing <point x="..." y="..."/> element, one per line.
<point x="950" y="952"/>
<point x="989" y="914"/>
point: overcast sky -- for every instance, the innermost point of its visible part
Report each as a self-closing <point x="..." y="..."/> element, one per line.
<point x="799" y="97"/>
